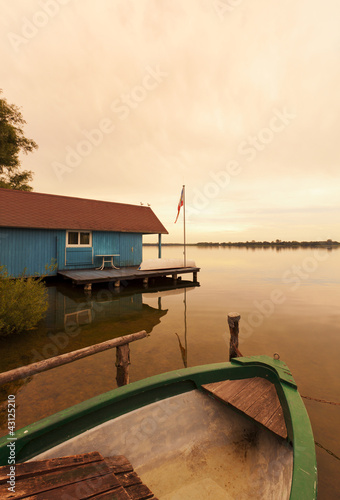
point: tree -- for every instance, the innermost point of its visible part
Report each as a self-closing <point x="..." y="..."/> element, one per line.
<point x="13" y="142"/>
<point x="23" y="302"/>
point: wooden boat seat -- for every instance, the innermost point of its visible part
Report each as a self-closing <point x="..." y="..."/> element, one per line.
<point x="75" y="477"/>
<point x="256" y="397"/>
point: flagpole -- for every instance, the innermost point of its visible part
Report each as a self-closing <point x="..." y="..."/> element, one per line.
<point x="185" y="254"/>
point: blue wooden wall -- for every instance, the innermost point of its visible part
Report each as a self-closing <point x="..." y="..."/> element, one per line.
<point x="33" y="249"/>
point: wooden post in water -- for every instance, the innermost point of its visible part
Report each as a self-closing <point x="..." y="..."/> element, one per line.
<point x="233" y="320"/>
<point x="122" y="364"/>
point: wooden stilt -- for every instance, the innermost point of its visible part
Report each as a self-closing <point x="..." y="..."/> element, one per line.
<point x="233" y="321"/>
<point x="122" y="364"/>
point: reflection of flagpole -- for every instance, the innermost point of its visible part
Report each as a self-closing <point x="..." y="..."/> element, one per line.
<point x="185" y="254"/>
<point x="184" y="350"/>
<point x="185" y="360"/>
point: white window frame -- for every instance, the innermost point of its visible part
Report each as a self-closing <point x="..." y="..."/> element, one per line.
<point x="75" y="317"/>
<point x="78" y="245"/>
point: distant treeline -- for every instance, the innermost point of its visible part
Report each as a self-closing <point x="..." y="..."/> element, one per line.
<point x="258" y="244"/>
<point x="277" y="243"/>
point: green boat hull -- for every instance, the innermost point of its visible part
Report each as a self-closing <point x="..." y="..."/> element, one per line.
<point x="45" y="434"/>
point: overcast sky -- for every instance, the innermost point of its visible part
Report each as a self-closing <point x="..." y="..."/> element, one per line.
<point x="236" y="99"/>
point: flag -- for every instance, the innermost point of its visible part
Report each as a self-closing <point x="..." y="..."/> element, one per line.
<point x="180" y="203"/>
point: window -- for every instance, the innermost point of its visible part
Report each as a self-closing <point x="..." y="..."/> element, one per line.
<point x="84" y="238"/>
<point x="78" y="238"/>
<point x="83" y="317"/>
<point x="72" y="238"/>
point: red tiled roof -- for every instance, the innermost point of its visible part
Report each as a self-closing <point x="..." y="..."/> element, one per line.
<point x="49" y="211"/>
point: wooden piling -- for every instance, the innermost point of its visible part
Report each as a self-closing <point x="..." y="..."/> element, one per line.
<point x="233" y="322"/>
<point x="122" y="364"/>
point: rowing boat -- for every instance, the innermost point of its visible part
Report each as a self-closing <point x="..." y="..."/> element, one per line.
<point x="222" y="431"/>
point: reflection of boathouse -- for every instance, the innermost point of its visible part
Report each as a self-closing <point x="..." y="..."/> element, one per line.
<point x="103" y="312"/>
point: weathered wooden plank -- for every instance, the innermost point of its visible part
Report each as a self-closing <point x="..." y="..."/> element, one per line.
<point x="33" y="485"/>
<point x="276" y="423"/>
<point x="88" y="488"/>
<point x="27" y="469"/>
<point x="255" y="397"/>
<point x="250" y="393"/>
<point x="83" y="276"/>
<point x="118" y="464"/>
<point x="119" y="494"/>
<point x="228" y="388"/>
<point x="215" y="386"/>
<point x="265" y="405"/>
<point x="76" y="477"/>
<point x="128" y="478"/>
<point x="139" y="492"/>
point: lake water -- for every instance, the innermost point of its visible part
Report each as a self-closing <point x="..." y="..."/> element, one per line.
<point x="288" y="301"/>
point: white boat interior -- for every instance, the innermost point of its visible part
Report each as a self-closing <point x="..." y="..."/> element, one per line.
<point x="192" y="447"/>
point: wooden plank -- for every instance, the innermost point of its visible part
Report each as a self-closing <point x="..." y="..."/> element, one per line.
<point x="276" y="423"/>
<point x="88" y="488"/>
<point x="256" y="397"/>
<point x="128" y="478"/>
<point x="228" y="388"/>
<point x="83" y="276"/>
<point x="139" y="492"/>
<point x="33" y="485"/>
<point x="28" y="469"/>
<point x="118" y="464"/>
<point x="119" y="494"/>
<point x="249" y="394"/>
<point x="265" y="405"/>
<point x="76" y="477"/>
<point x="268" y="411"/>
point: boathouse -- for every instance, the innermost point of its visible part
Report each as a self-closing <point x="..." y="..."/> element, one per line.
<point x="38" y="228"/>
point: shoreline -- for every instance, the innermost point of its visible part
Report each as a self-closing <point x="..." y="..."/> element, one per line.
<point x="329" y="244"/>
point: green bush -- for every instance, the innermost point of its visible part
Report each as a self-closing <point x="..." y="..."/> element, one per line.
<point x="23" y="302"/>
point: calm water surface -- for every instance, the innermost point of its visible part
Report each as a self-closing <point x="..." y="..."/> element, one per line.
<point x="288" y="301"/>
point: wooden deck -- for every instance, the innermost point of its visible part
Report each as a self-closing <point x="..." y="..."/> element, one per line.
<point x="256" y="397"/>
<point x="76" y="477"/>
<point x="89" y="276"/>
